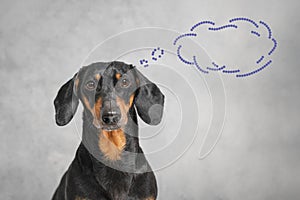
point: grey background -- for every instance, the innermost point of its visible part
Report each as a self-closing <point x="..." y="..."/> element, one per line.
<point x="42" y="45"/>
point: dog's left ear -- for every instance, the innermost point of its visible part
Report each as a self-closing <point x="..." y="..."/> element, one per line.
<point x="149" y="100"/>
<point x="66" y="103"/>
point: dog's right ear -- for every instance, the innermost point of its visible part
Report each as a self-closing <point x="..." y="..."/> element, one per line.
<point x="66" y="103"/>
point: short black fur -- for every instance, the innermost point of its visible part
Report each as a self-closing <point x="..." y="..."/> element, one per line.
<point x="91" y="176"/>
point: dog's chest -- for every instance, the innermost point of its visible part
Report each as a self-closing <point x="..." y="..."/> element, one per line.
<point x="116" y="183"/>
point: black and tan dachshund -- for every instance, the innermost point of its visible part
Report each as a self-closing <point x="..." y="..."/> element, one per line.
<point x="109" y="163"/>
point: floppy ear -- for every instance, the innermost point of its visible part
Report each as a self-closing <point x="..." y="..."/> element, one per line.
<point x="149" y="100"/>
<point x="65" y="103"/>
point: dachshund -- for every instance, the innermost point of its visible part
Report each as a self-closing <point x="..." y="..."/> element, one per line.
<point x="109" y="163"/>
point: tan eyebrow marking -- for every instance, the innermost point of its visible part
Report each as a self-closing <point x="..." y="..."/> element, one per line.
<point x="118" y="76"/>
<point x="97" y="77"/>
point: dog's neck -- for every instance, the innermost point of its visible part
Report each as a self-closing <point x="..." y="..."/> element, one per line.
<point x="131" y="158"/>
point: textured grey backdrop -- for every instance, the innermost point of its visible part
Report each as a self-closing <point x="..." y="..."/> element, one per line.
<point x="42" y="45"/>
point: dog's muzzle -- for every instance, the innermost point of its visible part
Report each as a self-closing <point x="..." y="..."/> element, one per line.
<point x="110" y="116"/>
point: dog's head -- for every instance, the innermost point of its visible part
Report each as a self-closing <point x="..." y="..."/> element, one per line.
<point x="108" y="91"/>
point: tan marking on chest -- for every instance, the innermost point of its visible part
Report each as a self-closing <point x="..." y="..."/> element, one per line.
<point x="112" y="143"/>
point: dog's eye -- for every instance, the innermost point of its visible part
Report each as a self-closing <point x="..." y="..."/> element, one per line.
<point x="90" y="85"/>
<point x="125" y="82"/>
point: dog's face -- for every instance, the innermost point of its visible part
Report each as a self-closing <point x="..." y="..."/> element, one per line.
<point x="108" y="91"/>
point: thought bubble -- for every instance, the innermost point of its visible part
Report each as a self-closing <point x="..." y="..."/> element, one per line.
<point x="259" y="30"/>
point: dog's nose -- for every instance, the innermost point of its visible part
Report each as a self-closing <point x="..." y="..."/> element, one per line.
<point x="111" y="118"/>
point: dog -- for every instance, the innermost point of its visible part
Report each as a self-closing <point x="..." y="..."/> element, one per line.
<point x="109" y="163"/>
